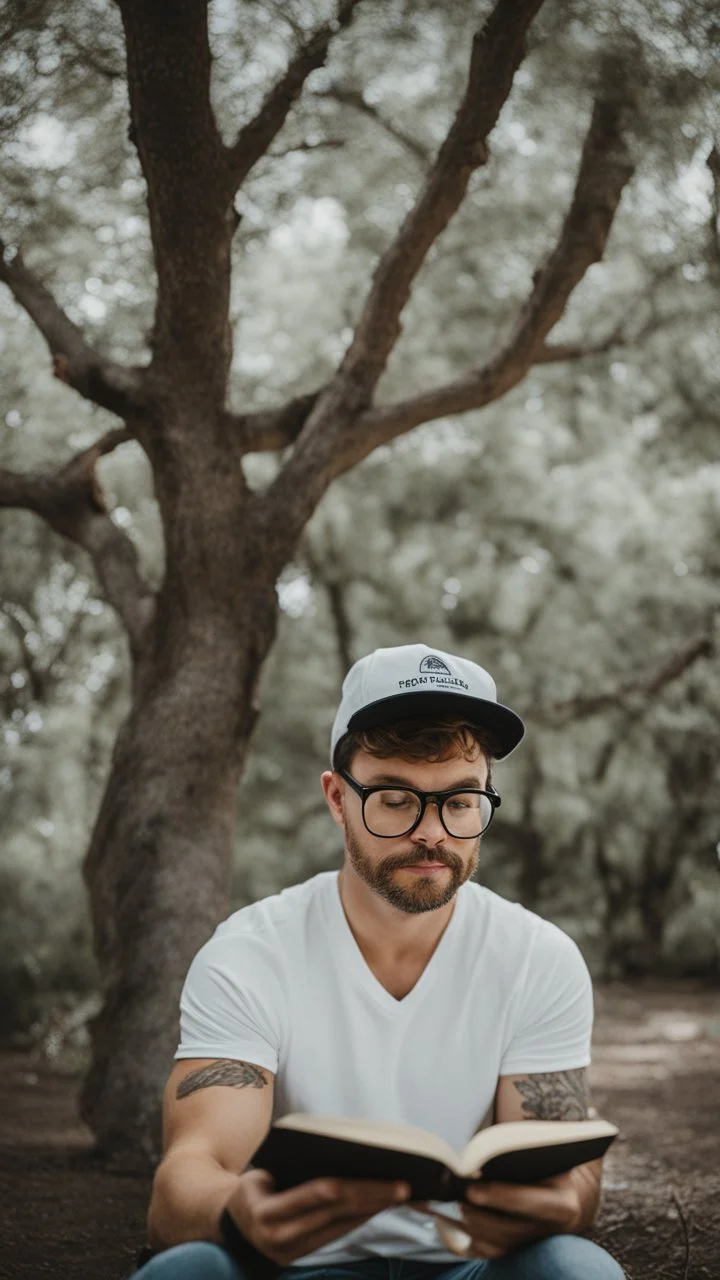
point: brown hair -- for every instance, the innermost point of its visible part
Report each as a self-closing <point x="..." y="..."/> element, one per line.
<point x="415" y="739"/>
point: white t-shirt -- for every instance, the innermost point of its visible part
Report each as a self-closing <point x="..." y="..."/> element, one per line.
<point x="283" y="984"/>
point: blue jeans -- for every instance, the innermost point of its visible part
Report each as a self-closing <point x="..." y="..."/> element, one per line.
<point x="555" y="1258"/>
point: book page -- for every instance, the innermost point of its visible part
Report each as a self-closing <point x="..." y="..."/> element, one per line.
<point x="375" y="1133"/>
<point x="517" y="1135"/>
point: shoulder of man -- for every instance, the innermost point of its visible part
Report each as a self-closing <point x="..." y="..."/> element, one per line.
<point x="507" y="914"/>
<point x="274" y="911"/>
<point x="513" y="930"/>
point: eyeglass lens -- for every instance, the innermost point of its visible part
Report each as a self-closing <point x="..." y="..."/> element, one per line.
<point x="392" y="813"/>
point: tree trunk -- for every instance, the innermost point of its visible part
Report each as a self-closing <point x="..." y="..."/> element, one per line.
<point x="158" y="865"/>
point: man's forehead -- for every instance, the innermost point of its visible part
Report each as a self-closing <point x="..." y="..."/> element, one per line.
<point x="457" y="769"/>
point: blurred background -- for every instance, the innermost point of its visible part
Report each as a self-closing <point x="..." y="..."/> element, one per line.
<point x="566" y="537"/>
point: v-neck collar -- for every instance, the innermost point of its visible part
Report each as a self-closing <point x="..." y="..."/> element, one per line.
<point x="344" y="939"/>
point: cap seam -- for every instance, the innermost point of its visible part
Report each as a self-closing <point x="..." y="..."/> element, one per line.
<point x="366" y="677"/>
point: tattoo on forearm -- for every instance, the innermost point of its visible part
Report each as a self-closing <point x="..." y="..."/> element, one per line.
<point x="238" y="1075"/>
<point x="555" y="1095"/>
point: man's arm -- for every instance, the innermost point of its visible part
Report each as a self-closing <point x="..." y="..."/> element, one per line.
<point x="544" y="1095"/>
<point x="555" y="1095"/>
<point x="499" y="1217"/>
<point x="215" y="1115"/>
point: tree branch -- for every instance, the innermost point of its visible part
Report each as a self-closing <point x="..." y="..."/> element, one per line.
<point x="35" y="674"/>
<point x="331" y="144"/>
<point x="256" y="136"/>
<point x="89" y="57"/>
<point x="713" y="164"/>
<point x="605" y="169"/>
<point x="337" y="604"/>
<point x="269" y="429"/>
<point x="622" y="335"/>
<point x="40" y="675"/>
<point x="73" y="504"/>
<point x="557" y="352"/>
<point x="356" y="99"/>
<point x="497" y="51"/>
<point x="189" y="198"/>
<point x="110" y="385"/>
<point x="640" y="686"/>
<point x="340" y="430"/>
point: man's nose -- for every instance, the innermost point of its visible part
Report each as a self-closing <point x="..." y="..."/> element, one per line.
<point x="430" y="830"/>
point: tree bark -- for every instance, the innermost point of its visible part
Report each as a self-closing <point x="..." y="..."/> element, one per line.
<point x="159" y="860"/>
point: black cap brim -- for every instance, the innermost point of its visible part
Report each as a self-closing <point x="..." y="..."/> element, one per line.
<point x="504" y="728"/>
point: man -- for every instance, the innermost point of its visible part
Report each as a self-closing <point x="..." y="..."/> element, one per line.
<point x="394" y="990"/>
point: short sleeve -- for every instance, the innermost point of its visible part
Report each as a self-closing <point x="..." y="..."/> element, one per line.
<point x="550" y="1027"/>
<point x="232" y="1005"/>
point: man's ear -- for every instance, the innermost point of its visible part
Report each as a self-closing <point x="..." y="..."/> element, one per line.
<point x="333" y="788"/>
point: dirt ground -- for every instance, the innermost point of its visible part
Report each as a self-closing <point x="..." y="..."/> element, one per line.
<point x="655" y="1074"/>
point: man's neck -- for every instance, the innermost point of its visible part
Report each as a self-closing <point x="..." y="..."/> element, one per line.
<point x="385" y="935"/>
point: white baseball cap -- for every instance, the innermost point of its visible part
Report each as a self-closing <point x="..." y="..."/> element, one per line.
<point x="414" y="680"/>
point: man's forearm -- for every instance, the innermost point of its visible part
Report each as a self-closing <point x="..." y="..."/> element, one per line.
<point x="188" y="1196"/>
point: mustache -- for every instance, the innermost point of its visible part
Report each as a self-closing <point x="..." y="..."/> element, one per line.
<point x="413" y="858"/>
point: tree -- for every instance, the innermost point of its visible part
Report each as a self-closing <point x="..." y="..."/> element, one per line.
<point x="158" y="862"/>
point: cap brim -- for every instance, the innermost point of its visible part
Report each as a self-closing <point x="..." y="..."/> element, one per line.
<point x="505" y="728"/>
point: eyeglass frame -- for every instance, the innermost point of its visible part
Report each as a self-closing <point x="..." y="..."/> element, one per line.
<point x="437" y="797"/>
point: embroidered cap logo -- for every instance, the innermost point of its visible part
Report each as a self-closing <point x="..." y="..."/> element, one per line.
<point x="435" y="665"/>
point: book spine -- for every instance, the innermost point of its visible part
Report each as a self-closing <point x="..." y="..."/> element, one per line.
<point x="453" y="1186"/>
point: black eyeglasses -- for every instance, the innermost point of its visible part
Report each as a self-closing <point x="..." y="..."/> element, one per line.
<point x="389" y="812"/>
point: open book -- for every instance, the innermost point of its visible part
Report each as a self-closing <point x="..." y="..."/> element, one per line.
<point x="301" y="1147"/>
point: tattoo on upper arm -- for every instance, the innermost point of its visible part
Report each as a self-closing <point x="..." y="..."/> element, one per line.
<point x="238" y="1075"/>
<point x="555" y="1095"/>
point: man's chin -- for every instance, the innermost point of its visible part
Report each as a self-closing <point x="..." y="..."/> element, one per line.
<point x="411" y="892"/>
<point x="401" y="882"/>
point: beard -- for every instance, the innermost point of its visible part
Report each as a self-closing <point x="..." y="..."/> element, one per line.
<point x="424" y="894"/>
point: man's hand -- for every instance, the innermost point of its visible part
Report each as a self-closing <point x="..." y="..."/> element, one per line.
<point x="285" y="1225"/>
<point x="498" y="1217"/>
